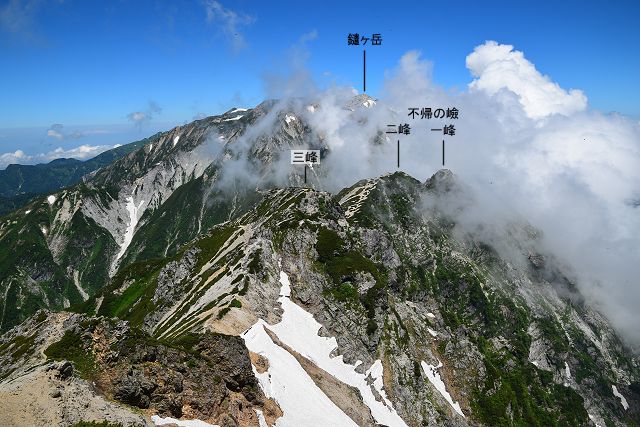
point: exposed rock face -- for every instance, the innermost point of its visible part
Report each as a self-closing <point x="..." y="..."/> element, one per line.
<point x="34" y="391"/>
<point x="206" y="377"/>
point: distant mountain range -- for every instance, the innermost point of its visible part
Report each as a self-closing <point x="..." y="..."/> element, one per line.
<point x="21" y="183"/>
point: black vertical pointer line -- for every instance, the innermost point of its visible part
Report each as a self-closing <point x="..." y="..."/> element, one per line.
<point x="443" y="152"/>
<point x="364" y="70"/>
<point x="305" y="173"/>
<point x="398" y="154"/>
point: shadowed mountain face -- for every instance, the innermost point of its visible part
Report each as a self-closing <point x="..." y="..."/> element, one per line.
<point x="361" y="307"/>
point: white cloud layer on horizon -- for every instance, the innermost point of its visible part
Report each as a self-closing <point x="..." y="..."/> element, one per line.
<point x="528" y="149"/>
<point x="82" y="152"/>
<point x="497" y="67"/>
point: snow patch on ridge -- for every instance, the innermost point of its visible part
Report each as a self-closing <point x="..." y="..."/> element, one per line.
<point x="285" y="286"/>
<point x="131" y="228"/>
<point x="617" y="394"/>
<point x="567" y="374"/>
<point x="356" y="197"/>
<point x="159" y="421"/>
<point x="301" y="400"/>
<point x="262" y="422"/>
<point x="594" y="420"/>
<point x="376" y="372"/>
<point x="434" y="377"/>
<point x="76" y="281"/>
<point x="233" y="118"/>
<point x="299" y="331"/>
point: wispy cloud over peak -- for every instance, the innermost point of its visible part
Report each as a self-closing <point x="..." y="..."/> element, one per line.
<point x="16" y="17"/>
<point x="140" y="117"/>
<point x="57" y="131"/>
<point x="230" y="22"/>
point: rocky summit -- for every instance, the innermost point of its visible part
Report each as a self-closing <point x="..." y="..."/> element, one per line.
<point x="165" y="288"/>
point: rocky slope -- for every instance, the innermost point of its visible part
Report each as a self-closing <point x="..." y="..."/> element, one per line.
<point x="67" y="245"/>
<point x="104" y="360"/>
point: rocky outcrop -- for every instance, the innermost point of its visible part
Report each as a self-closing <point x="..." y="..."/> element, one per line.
<point x="207" y="377"/>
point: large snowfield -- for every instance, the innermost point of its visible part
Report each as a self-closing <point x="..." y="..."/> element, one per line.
<point x="304" y="403"/>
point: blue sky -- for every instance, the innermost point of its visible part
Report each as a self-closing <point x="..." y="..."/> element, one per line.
<point x="90" y="66"/>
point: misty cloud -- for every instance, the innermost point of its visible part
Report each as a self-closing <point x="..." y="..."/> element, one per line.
<point x="230" y="23"/>
<point x="290" y="77"/>
<point x="140" y="117"/>
<point x="16" y="17"/>
<point x="56" y="131"/>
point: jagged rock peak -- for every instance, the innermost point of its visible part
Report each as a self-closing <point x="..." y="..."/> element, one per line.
<point x="442" y="181"/>
<point x="359" y="101"/>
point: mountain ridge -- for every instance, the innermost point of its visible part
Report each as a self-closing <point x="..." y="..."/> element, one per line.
<point x="401" y="320"/>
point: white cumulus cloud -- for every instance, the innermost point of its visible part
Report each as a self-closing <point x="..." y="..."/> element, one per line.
<point x="17" y="156"/>
<point x="497" y="67"/>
